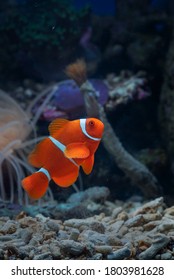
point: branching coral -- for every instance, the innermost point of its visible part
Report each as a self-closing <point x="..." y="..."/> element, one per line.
<point x="15" y="128"/>
<point x="139" y="174"/>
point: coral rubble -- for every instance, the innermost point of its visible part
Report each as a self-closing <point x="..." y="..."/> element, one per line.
<point x="119" y="230"/>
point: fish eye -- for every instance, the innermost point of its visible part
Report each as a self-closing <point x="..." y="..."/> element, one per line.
<point x="91" y="123"/>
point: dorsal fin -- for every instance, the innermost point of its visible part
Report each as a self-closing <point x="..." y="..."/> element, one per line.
<point x="56" y="125"/>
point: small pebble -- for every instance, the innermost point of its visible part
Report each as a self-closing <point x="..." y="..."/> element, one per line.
<point x="8" y="228"/>
<point x="116" y="211"/>
<point x="26" y="235"/>
<point x="97" y="256"/>
<point x="55" y="249"/>
<point x="166" y="256"/>
<point x="103" y="249"/>
<point x="71" y="247"/>
<point x="74" y="234"/>
<point x="53" y="225"/>
<point x="120" y="254"/>
<point x="44" y="256"/>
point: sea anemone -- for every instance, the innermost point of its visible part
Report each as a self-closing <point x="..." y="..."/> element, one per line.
<point x="17" y="130"/>
<point x="18" y="137"/>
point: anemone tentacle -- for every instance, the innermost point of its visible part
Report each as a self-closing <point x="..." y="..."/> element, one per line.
<point x="18" y="136"/>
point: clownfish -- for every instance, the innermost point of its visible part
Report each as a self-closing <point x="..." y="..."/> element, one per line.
<point x="71" y="144"/>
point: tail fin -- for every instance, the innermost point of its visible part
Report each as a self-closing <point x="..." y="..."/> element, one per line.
<point x="36" y="184"/>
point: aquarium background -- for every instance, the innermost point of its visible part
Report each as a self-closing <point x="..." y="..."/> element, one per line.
<point x="128" y="50"/>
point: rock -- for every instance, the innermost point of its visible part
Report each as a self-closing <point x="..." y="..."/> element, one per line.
<point x="166" y="256"/>
<point x="115" y="226"/>
<point x="8" y="228"/>
<point x="49" y="235"/>
<point x="122" y="216"/>
<point x="151" y="225"/>
<point x="135" y="221"/>
<point x="74" y="234"/>
<point x="36" y="239"/>
<point x="43" y="256"/>
<point x="121" y="254"/>
<point x="85" y="223"/>
<point x="158" y="257"/>
<point x="96" y="194"/>
<point x="26" y="235"/>
<point x="122" y="231"/>
<point x="43" y="248"/>
<point x="97" y="226"/>
<point x="27" y="221"/>
<point x="53" y="225"/>
<point x="132" y="236"/>
<point x="116" y="211"/>
<point x="169" y="211"/>
<point x="97" y="256"/>
<point x="55" y="249"/>
<point x="105" y="250"/>
<point x="62" y="234"/>
<point x="165" y="225"/>
<point x="16" y="242"/>
<point x="152" y="217"/>
<point x="4" y="238"/>
<point x="1" y="254"/>
<point x="41" y="218"/>
<point x="77" y="223"/>
<point x="159" y="243"/>
<point x="113" y="240"/>
<point x="93" y="237"/>
<point x="71" y="247"/>
<point x="151" y="206"/>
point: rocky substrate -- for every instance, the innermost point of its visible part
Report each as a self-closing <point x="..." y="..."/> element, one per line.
<point x="119" y="230"/>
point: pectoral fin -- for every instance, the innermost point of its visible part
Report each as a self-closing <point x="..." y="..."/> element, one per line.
<point x="87" y="165"/>
<point x="76" y="150"/>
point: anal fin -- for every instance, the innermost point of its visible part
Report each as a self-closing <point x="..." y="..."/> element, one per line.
<point x="67" y="180"/>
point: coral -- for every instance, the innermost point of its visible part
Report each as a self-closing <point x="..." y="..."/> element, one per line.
<point x="68" y="102"/>
<point x="137" y="231"/>
<point x="15" y="128"/>
<point x="125" y="87"/>
<point x="139" y="174"/>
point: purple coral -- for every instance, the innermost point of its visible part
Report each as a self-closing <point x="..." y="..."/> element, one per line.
<point x="67" y="100"/>
<point x="68" y="96"/>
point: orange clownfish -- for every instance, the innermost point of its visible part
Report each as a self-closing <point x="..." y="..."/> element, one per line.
<point x="71" y="144"/>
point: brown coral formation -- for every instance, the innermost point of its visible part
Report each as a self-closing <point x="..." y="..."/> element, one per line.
<point x="136" y="171"/>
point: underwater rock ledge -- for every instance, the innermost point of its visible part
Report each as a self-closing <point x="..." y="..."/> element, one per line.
<point x="120" y="230"/>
